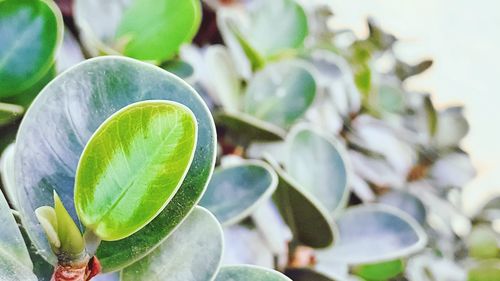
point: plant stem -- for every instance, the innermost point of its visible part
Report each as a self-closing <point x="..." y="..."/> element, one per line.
<point x="82" y="271"/>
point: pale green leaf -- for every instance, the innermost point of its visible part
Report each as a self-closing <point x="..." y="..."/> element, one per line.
<point x="249" y="273"/>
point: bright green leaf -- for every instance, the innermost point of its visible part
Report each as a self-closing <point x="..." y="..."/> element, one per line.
<point x="485" y="271"/>
<point x="235" y="191"/>
<point x="482" y="243"/>
<point x="308" y="220"/>
<point x="281" y="93"/>
<point x="169" y="24"/>
<point x="319" y="165"/>
<point x="249" y="273"/>
<point x="380" y="271"/>
<point x="192" y="253"/>
<point x="30" y="32"/>
<point x="132" y="167"/>
<point x="69" y="235"/>
<point x="76" y="103"/>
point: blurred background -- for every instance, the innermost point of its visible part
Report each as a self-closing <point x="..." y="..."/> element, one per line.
<point x="462" y="38"/>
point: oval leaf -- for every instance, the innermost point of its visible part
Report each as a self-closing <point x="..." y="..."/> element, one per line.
<point x="192" y="253"/>
<point x="375" y="233"/>
<point x="31" y="31"/>
<point x="118" y="26"/>
<point x="306" y="217"/>
<point x="235" y="192"/>
<point x="405" y="202"/>
<point x="318" y="164"/>
<point x="246" y="128"/>
<point x="380" y="271"/>
<point x="281" y="93"/>
<point x="249" y="273"/>
<point x="75" y="104"/>
<point x="132" y="167"/>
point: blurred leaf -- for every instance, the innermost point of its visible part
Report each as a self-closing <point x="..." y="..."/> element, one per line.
<point x="374" y="233"/>
<point x="432" y="115"/>
<point x="319" y="165"/>
<point x="9" y="113"/>
<point x="378" y="37"/>
<point x="270" y="38"/>
<point x="31" y="31"/>
<point x="246" y="128"/>
<point x="485" y="271"/>
<point x="404" y="70"/>
<point x="305" y="274"/>
<point x="187" y="255"/>
<point x="235" y="191"/>
<point x="178" y="67"/>
<point x="177" y="21"/>
<point x="15" y="263"/>
<point x="390" y="98"/>
<point x="75" y="104"/>
<point x="70" y="53"/>
<point x="380" y="271"/>
<point x="249" y="273"/>
<point x="224" y="77"/>
<point x="452" y="170"/>
<point x="405" y="202"/>
<point x="482" y="243"/>
<point x="281" y="93"/>
<point x="308" y="220"/>
<point x="452" y="127"/>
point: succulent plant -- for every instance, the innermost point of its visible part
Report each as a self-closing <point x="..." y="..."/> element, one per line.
<point x="323" y="166"/>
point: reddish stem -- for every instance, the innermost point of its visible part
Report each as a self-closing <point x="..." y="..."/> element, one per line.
<point x="77" y="272"/>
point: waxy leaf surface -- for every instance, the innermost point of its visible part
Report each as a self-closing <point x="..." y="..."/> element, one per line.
<point x="75" y="104"/>
<point x="132" y="167"/>
<point x="280" y="93"/>
<point x="319" y="165"/>
<point x="308" y="220"/>
<point x="374" y="233"/>
<point x="235" y="191"/>
<point x="192" y="253"/>
<point x="30" y="32"/>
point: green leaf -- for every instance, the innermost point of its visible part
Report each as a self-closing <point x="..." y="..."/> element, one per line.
<point x="15" y="263"/>
<point x="306" y="274"/>
<point x="9" y="113"/>
<point x="432" y="116"/>
<point x="180" y="68"/>
<point x="245" y="128"/>
<point x="452" y="127"/>
<point x="392" y="235"/>
<point x="319" y="165"/>
<point x="380" y="271"/>
<point x="234" y="192"/>
<point x="276" y="26"/>
<point x="75" y="104"/>
<point x="249" y="273"/>
<point x="308" y="220"/>
<point x="482" y="243"/>
<point x="281" y="93"/>
<point x="485" y="271"/>
<point x="69" y="235"/>
<point x="390" y="98"/>
<point x="31" y="31"/>
<point x="149" y="30"/>
<point x="169" y="24"/>
<point x="132" y="167"/>
<point x="48" y="221"/>
<point x="192" y="253"/>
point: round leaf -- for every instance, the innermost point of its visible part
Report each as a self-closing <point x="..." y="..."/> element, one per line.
<point x="246" y="128"/>
<point x="375" y="233"/>
<point x="485" y="271"/>
<point x="318" y="164"/>
<point x="192" y="253"/>
<point x="281" y="93"/>
<point x="75" y="104"/>
<point x="270" y="38"/>
<point x="31" y="31"/>
<point x="235" y="192"/>
<point x="307" y="218"/>
<point x="117" y="27"/>
<point x="249" y="273"/>
<point x="482" y="243"/>
<point x="132" y="167"/>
